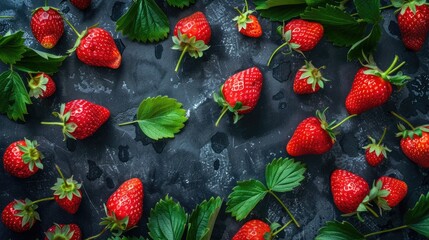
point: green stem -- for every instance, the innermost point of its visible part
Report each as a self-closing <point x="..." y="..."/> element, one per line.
<point x="46" y="3"/>
<point x="285" y="208"/>
<point x="128" y="123"/>
<point x="382" y="137"/>
<point x="344" y="120"/>
<point x="238" y="10"/>
<point x="275" y="52"/>
<point x="281" y="229"/>
<point x="395" y="60"/>
<point x="98" y="235"/>
<point x="372" y="211"/>
<point x="6" y="17"/>
<point x="246" y="6"/>
<point x="61" y="175"/>
<point x="385" y="231"/>
<point x="181" y="57"/>
<point x="53" y="123"/>
<point x="224" y="110"/>
<point x="381" y="8"/>
<point x="397" y="67"/>
<point x="72" y="27"/>
<point x="403" y="119"/>
<point x="42" y="200"/>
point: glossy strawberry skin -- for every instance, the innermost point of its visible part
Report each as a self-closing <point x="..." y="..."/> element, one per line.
<point x="398" y="190"/>
<point x="367" y="92"/>
<point x="309" y="138"/>
<point x="372" y="158"/>
<point x="11" y="221"/>
<point x="252" y="230"/>
<point x="306" y="34"/>
<point x="13" y="162"/>
<point x="98" y="48"/>
<point x="81" y="4"/>
<point x="50" y="88"/>
<point x="414" y="28"/>
<point x="253" y="29"/>
<point x="70" y="206"/>
<point x="127" y="200"/>
<point x="87" y="116"/>
<point x="348" y="190"/>
<point x="417" y="149"/>
<point x="47" y="26"/>
<point x="77" y="233"/>
<point x="244" y="87"/>
<point x="195" y="25"/>
<point x="300" y="86"/>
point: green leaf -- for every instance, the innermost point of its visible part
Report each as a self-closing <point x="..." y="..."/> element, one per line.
<point x="144" y="21"/>
<point x="180" y="3"/>
<point x="283" y="13"/>
<point x="35" y="61"/>
<point x="345" y="36"/>
<point x="167" y="220"/>
<point x="13" y="96"/>
<point x="265" y="4"/>
<point x="244" y="197"/>
<point x="12" y="47"/>
<point x="366" y="45"/>
<point x="334" y="230"/>
<point x="202" y="219"/>
<point x="161" y="117"/>
<point x="368" y="10"/>
<point x="284" y="174"/>
<point x="329" y="15"/>
<point x="417" y="218"/>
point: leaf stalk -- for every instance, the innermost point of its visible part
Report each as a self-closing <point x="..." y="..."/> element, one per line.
<point x="285" y="208"/>
<point x="403" y="119"/>
<point x="386" y="231"/>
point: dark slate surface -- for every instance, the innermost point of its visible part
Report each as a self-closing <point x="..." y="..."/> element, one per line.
<point x="202" y="160"/>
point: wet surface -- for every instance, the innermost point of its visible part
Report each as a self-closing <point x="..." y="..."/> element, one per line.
<point x="203" y="161"/>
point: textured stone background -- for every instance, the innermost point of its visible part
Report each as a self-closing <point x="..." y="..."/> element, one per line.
<point x="203" y="160"/>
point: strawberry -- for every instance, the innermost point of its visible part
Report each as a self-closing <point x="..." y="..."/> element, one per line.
<point x="376" y="152"/>
<point x="80" y="118"/>
<point x="308" y="79"/>
<point x="389" y="192"/>
<point x="372" y="87"/>
<point x="248" y="24"/>
<point x="20" y="215"/>
<point x="81" y="4"/>
<point x="240" y="93"/>
<point x="300" y="36"/>
<point x="191" y="35"/>
<point x="22" y="159"/>
<point x="42" y="86"/>
<point x="67" y="193"/>
<point x="350" y="192"/>
<point x="253" y="230"/>
<point x="414" y="142"/>
<point x="413" y="21"/>
<point x="47" y="26"/>
<point x="125" y="206"/>
<point x="313" y="136"/>
<point x="63" y="232"/>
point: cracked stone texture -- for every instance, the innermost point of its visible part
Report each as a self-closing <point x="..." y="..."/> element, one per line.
<point x="203" y="160"/>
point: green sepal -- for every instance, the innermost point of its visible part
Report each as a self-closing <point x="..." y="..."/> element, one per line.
<point x="78" y="40"/>
<point x="219" y="98"/>
<point x="313" y="75"/>
<point x="377" y="148"/>
<point x="67" y="191"/>
<point x="68" y="127"/>
<point x="194" y="47"/>
<point x="37" y="85"/>
<point x="60" y="232"/>
<point x="45" y="8"/>
<point x="410" y="133"/>
<point x="31" y="156"/>
<point x="26" y="210"/>
<point x="116" y="226"/>
<point x="378" y="195"/>
<point x="399" y="79"/>
<point x="325" y="125"/>
<point x="404" y="5"/>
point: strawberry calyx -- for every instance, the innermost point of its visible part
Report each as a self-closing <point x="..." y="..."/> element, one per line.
<point x="113" y="224"/>
<point x="45" y="8"/>
<point x="79" y="35"/>
<point x="31" y="156"/>
<point x="192" y="46"/>
<point x="37" y="85"/>
<point x="398" y="79"/>
<point x="313" y="75"/>
<point x="66" y="188"/>
<point x="286" y="36"/>
<point x="378" y="147"/>
<point x="409" y="133"/>
<point x="378" y="195"/>
<point x="330" y="127"/>
<point x="26" y="209"/>
<point x="60" y="233"/>
<point x="219" y="98"/>
<point x="68" y="127"/>
<point x="364" y="206"/>
<point x="243" y="19"/>
<point x="404" y="5"/>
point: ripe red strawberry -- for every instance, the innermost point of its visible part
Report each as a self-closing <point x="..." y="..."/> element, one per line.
<point x="313" y="136"/>
<point x="349" y="191"/>
<point x="124" y="207"/>
<point x="20" y="215"/>
<point x="308" y="79"/>
<point x="413" y="21"/>
<point x="22" y="159"/>
<point x="372" y="88"/>
<point x="414" y="142"/>
<point x="80" y="118"/>
<point x="47" y="26"/>
<point x="376" y="152"/>
<point x="300" y="36"/>
<point x="240" y="93"/>
<point x="63" y="232"/>
<point x="42" y="85"/>
<point x="67" y="193"/>
<point x="191" y="35"/>
<point x="248" y="24"/>
<point x="389" y="192"/>
<point x="81" y="4"/>
<point x="253" y="230"/>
